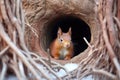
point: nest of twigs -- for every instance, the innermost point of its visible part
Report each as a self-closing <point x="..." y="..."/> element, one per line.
<point x="17" y="57"/>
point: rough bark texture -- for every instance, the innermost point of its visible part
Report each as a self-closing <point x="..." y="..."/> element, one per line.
<point x="40" y="13"/>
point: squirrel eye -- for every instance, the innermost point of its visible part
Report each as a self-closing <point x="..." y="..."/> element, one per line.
<point x="61" y="40"/>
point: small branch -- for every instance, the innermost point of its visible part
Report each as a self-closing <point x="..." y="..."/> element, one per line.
<point x="87" y="43"/>
<point x="104" y="73"/>
<point x="91" y="47"/>
<point x="117" y="21"/>
<point x="13" y="6"/>
<point x="21" y="68"/>
<point x="17" y="10"/>
<point x="32" y="29"/>
<point x="109" y="21"/>
<point x="3" y="72"/>
<point x="14" y="41"/>
<point x="118" y="24"/>
<point x="22" y="18"/>
<point x="4" y="50"/>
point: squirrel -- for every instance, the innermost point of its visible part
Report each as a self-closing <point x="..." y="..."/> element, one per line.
<point x="62" y="47"/>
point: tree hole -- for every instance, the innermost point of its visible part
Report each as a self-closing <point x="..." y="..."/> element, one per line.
<point x="79" y="28"/>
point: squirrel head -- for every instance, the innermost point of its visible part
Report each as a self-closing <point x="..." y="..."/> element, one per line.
<point x="64" y="38"/>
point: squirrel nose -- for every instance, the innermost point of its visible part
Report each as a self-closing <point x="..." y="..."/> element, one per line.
<point x="67" y="45"/>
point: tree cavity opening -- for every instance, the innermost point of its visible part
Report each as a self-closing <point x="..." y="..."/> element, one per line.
<point x="79" y="28"/>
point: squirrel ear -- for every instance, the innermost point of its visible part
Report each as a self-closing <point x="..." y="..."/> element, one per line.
<point x="69" y="31"/>
<point x="59" y="32"/>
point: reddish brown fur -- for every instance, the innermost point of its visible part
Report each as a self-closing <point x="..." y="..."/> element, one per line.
<point x="65" y="46"/>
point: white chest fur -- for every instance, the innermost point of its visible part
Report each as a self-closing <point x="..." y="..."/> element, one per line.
<point x="63" y="52"/>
